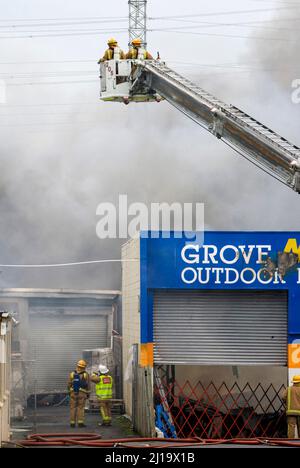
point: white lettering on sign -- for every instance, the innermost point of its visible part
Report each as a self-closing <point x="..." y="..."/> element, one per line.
<point x="248" y="276"/>
<point x="247" y="255"/>
<point x="210" y="252"/>
<point x="228" y="254"/>
<point x="217" y="271"/>
<point x="232" y="276"/>
<point x="197" y="256"/>
<point x="189" y="275"/>
<point x="235" y="254"/>
<point x="264" y="277"/>
<point x="262" y="256"/>
<point x="193" y="258"/>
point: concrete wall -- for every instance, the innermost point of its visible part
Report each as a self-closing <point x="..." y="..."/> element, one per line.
<point x="131" y="312"/>
<point x="5" y="349"/>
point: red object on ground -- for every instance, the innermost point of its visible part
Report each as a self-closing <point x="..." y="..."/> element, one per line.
<point x="95" y="440"/>
<point x="223" y="412"/>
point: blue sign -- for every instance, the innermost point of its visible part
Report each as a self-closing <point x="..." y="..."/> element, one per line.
<point x="223" y="260"/>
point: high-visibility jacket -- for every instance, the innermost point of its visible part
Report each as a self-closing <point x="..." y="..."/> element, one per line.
<point x="293" y="400"/>
<point x="139" y="54"/>
<point x="115" y="53"/>
<point x="104" y="388"/>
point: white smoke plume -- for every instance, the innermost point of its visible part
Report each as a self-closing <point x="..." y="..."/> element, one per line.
<point x="53" y="178"/>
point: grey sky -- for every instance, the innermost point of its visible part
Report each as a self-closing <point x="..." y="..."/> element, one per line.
<point x="57" y="167"/>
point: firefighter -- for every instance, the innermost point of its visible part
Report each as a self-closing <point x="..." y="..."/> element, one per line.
<point x="137" y="52"/>
<point x="292" y="398"/>
<point x="113" y="51"/>
<point x="104" y="392"/>
<point x="79" y="390"/>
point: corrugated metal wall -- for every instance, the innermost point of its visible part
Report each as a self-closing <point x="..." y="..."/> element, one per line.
<point x="58" y="337"/>
<point x="5" y="353"/>
<point x="221" y="327"/>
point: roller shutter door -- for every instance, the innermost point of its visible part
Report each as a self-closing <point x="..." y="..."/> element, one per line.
<point x="57" y="343"/>
<point x="221" y="327"/>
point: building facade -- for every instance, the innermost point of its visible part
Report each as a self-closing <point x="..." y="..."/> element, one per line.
<point x="54" y="328"/>
<point x="223" y="308"/>
<point x="5" y="349"/>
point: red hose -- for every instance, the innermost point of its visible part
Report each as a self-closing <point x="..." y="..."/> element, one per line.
<point x="95" y="440"/>
<point x="60" y="439"/>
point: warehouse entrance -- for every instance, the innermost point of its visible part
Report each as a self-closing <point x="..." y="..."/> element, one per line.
<point x="57" y="343"/>
<point x="220" y="362"/>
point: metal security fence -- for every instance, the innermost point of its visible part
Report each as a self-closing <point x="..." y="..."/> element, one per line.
<point x="5" y="359"/>
<point x="219" y="411"/>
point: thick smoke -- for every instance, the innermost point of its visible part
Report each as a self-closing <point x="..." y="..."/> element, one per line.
<point x="53" y="178"/>
<point x="279" y="53"/>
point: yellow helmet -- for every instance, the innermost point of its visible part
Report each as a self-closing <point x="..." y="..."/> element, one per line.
<point x="82" y="364"/>
<point x="137" y="42"/>
<point x="296" y="379"/>
<point x="112" y="41"/>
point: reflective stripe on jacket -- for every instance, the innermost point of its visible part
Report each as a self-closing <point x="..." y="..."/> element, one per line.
<point x="104" y="388"/>
<point x="293" y="401"/>
<point x="116" y="54"/>
<point x="139" y="53"/>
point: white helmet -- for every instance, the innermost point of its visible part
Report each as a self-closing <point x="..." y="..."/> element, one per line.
<point x="103" y="369"/>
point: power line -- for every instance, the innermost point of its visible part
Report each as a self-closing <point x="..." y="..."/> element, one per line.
<point x="237" y="68"/>
<point x="234" y="36"/>
<point x="101" y="32"/>
<point x="253" y="25"/>
<point x="54" y="74"/>
<point x="48" y="104"/>
<point x="91" y="20"/>
<point x="223" y="13"/>
<point x="66" y="18"/>
<point x="196" y="25"/>
<point x="64" y="30"/>
<point x="47" y="114"/>
<point x="276" y="2"/>
<point x="62" y="265"/>
<point x="180" y="19"/>
<point x="52" y="83"/>
<point x="48" y="124"/>
<point x="38" y="25"/>
<point x="213" y="25"/>
<point x="125" y="18"/>
<point x="170" y="30"/>
<point x="44" y="62"/>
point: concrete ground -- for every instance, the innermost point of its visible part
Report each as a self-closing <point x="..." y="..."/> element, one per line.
<point x="56" y="420"/>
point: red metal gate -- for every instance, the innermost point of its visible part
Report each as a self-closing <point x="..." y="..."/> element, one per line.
<point x="222" y="411"/>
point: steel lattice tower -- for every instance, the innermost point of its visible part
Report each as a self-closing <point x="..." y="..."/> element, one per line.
<point x="138" y="20"/>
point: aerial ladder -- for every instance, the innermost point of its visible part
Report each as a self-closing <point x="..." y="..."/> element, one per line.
<point x="149" y="81"/>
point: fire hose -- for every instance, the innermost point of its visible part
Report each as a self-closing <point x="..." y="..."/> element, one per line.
<point x="95" y="441"/>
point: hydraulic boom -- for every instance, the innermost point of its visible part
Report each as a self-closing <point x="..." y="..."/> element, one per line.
<point x="147" y="81"/>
